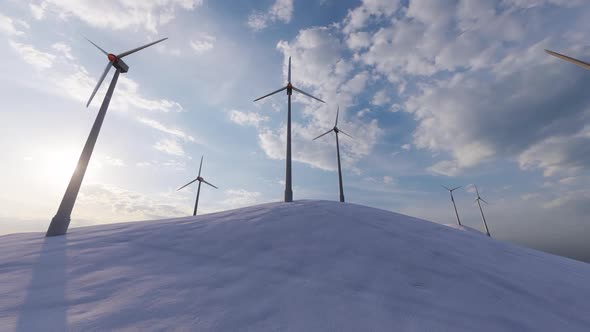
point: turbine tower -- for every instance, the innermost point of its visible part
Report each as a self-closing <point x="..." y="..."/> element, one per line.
<point x="290" y="88"/>
<point x="336" y="130"/>
<point x="453" y="200"/>
<point x="61" y="221"/>
<point x="200" y="179"/>
<point x="480" y="210"/>
<point x="569" y="59"/>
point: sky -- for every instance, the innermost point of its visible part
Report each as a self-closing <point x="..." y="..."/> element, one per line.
<point x="449" y="92"/>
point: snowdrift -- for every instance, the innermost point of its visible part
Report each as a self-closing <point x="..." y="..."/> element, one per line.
<point x="301" y="266"/>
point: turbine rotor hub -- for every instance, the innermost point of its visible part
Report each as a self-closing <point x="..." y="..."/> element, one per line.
<point x="112" y="58"/>
<point x="200" y="179"/>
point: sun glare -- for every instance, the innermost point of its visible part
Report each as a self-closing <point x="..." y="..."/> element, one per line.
<point x="56" y="167"/>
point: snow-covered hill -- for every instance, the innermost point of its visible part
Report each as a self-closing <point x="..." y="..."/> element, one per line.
<point x="302" y="266"/>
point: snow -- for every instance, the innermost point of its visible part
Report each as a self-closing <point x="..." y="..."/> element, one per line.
<point x="301" y="266"/>
<point x="465" y="228"/>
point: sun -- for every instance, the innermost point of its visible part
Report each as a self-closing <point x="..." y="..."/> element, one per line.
<point x="57" y="166"/>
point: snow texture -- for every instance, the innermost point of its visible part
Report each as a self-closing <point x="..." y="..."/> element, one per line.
<point x="301" y="266"/>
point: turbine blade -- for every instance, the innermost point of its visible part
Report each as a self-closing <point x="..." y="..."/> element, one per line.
<point x="327" y="132"/>
<point x="455" y="188"/>
<point x="104" y="74"/>
<point x="289" y="76"/>
<point x="337" y="112"/>
<point x="103" y="51"/>
<point x="210" y="184"/>
<point x="186" y="184"/>
<point x="307" y="94"/>
<point x="476" y="190"/>
<point x="569" y="59"/>
<point x="201" y="165"/>
<point x="483" y="200"/>
<point x="124" y="54"/>
<point x="270" y="94"/>
<point x="447" y="188"/>
<point x="345" y="133"/>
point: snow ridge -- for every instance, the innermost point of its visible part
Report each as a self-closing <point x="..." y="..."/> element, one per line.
<point x="301" y="266"/>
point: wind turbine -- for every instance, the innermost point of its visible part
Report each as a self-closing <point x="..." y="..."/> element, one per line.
<point x="453" y="200"/>
<point x="480" y="210"/>
<point x="569" y="59"/>
<point x="336" y="130"/>
<point x="290" y="88"/>
<point x="200" y="179"/>
<point x="61" y="221"/>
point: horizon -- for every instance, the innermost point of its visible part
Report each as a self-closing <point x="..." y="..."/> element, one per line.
<point x="451" y="94"/>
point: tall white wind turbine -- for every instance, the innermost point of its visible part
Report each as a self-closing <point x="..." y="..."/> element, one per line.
<point x="61" y="221"/>
<point x="200" y="179"/>
<point x="453" y="200"/>
<point x="290" y="88"/>
<point x="478" y="199"/>
<point x="337" y="130"/>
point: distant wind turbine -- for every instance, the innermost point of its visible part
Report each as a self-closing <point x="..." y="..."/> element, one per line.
<point x="336" y="130"/>
<point x="200" y="179"/>
<point x="60" y="223"/>
<point x="569" y="59"/>
<point x="480" y="210"/>
<point x="290" y="88"/>
<point x="453" y="200"/>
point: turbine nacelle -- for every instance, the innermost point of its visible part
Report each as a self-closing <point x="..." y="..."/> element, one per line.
<point x="290" y="88"/>
<point x="115" y="61"/>
<point x="118" y="63"/>
<point x="336" y="130"/>
<point x="200" y="179"/>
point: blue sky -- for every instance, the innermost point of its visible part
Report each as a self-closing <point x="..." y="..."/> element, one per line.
<point x="434" y="92"/>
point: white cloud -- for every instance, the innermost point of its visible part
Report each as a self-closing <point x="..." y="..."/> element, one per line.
<point x="38" y="11"/>
<point x="203" y="44"/>
<point x="172" y="131"/>
<point x="64" y="50"/>
<point x="387" y="179"/>
<point x="247" y="118"/>
<point x="170" y="146"/>
<point x="257" y="21"/>
<point x="558" y="155"/>
<point x="116" y="14"/>
<point x="8" y="26"/>
<point x="240" y="197"/>
<point x="114" y="161"/>
<point x="369" y="9"/>
<point x="113" y="203"/>
<point x="39" y="59"/>
<point x="537" y="3"/>
<point x="407" y="147"/>
<point x="281" y="10"/>
<point x="358" y="40"/>
<point x="381" y="98"/>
